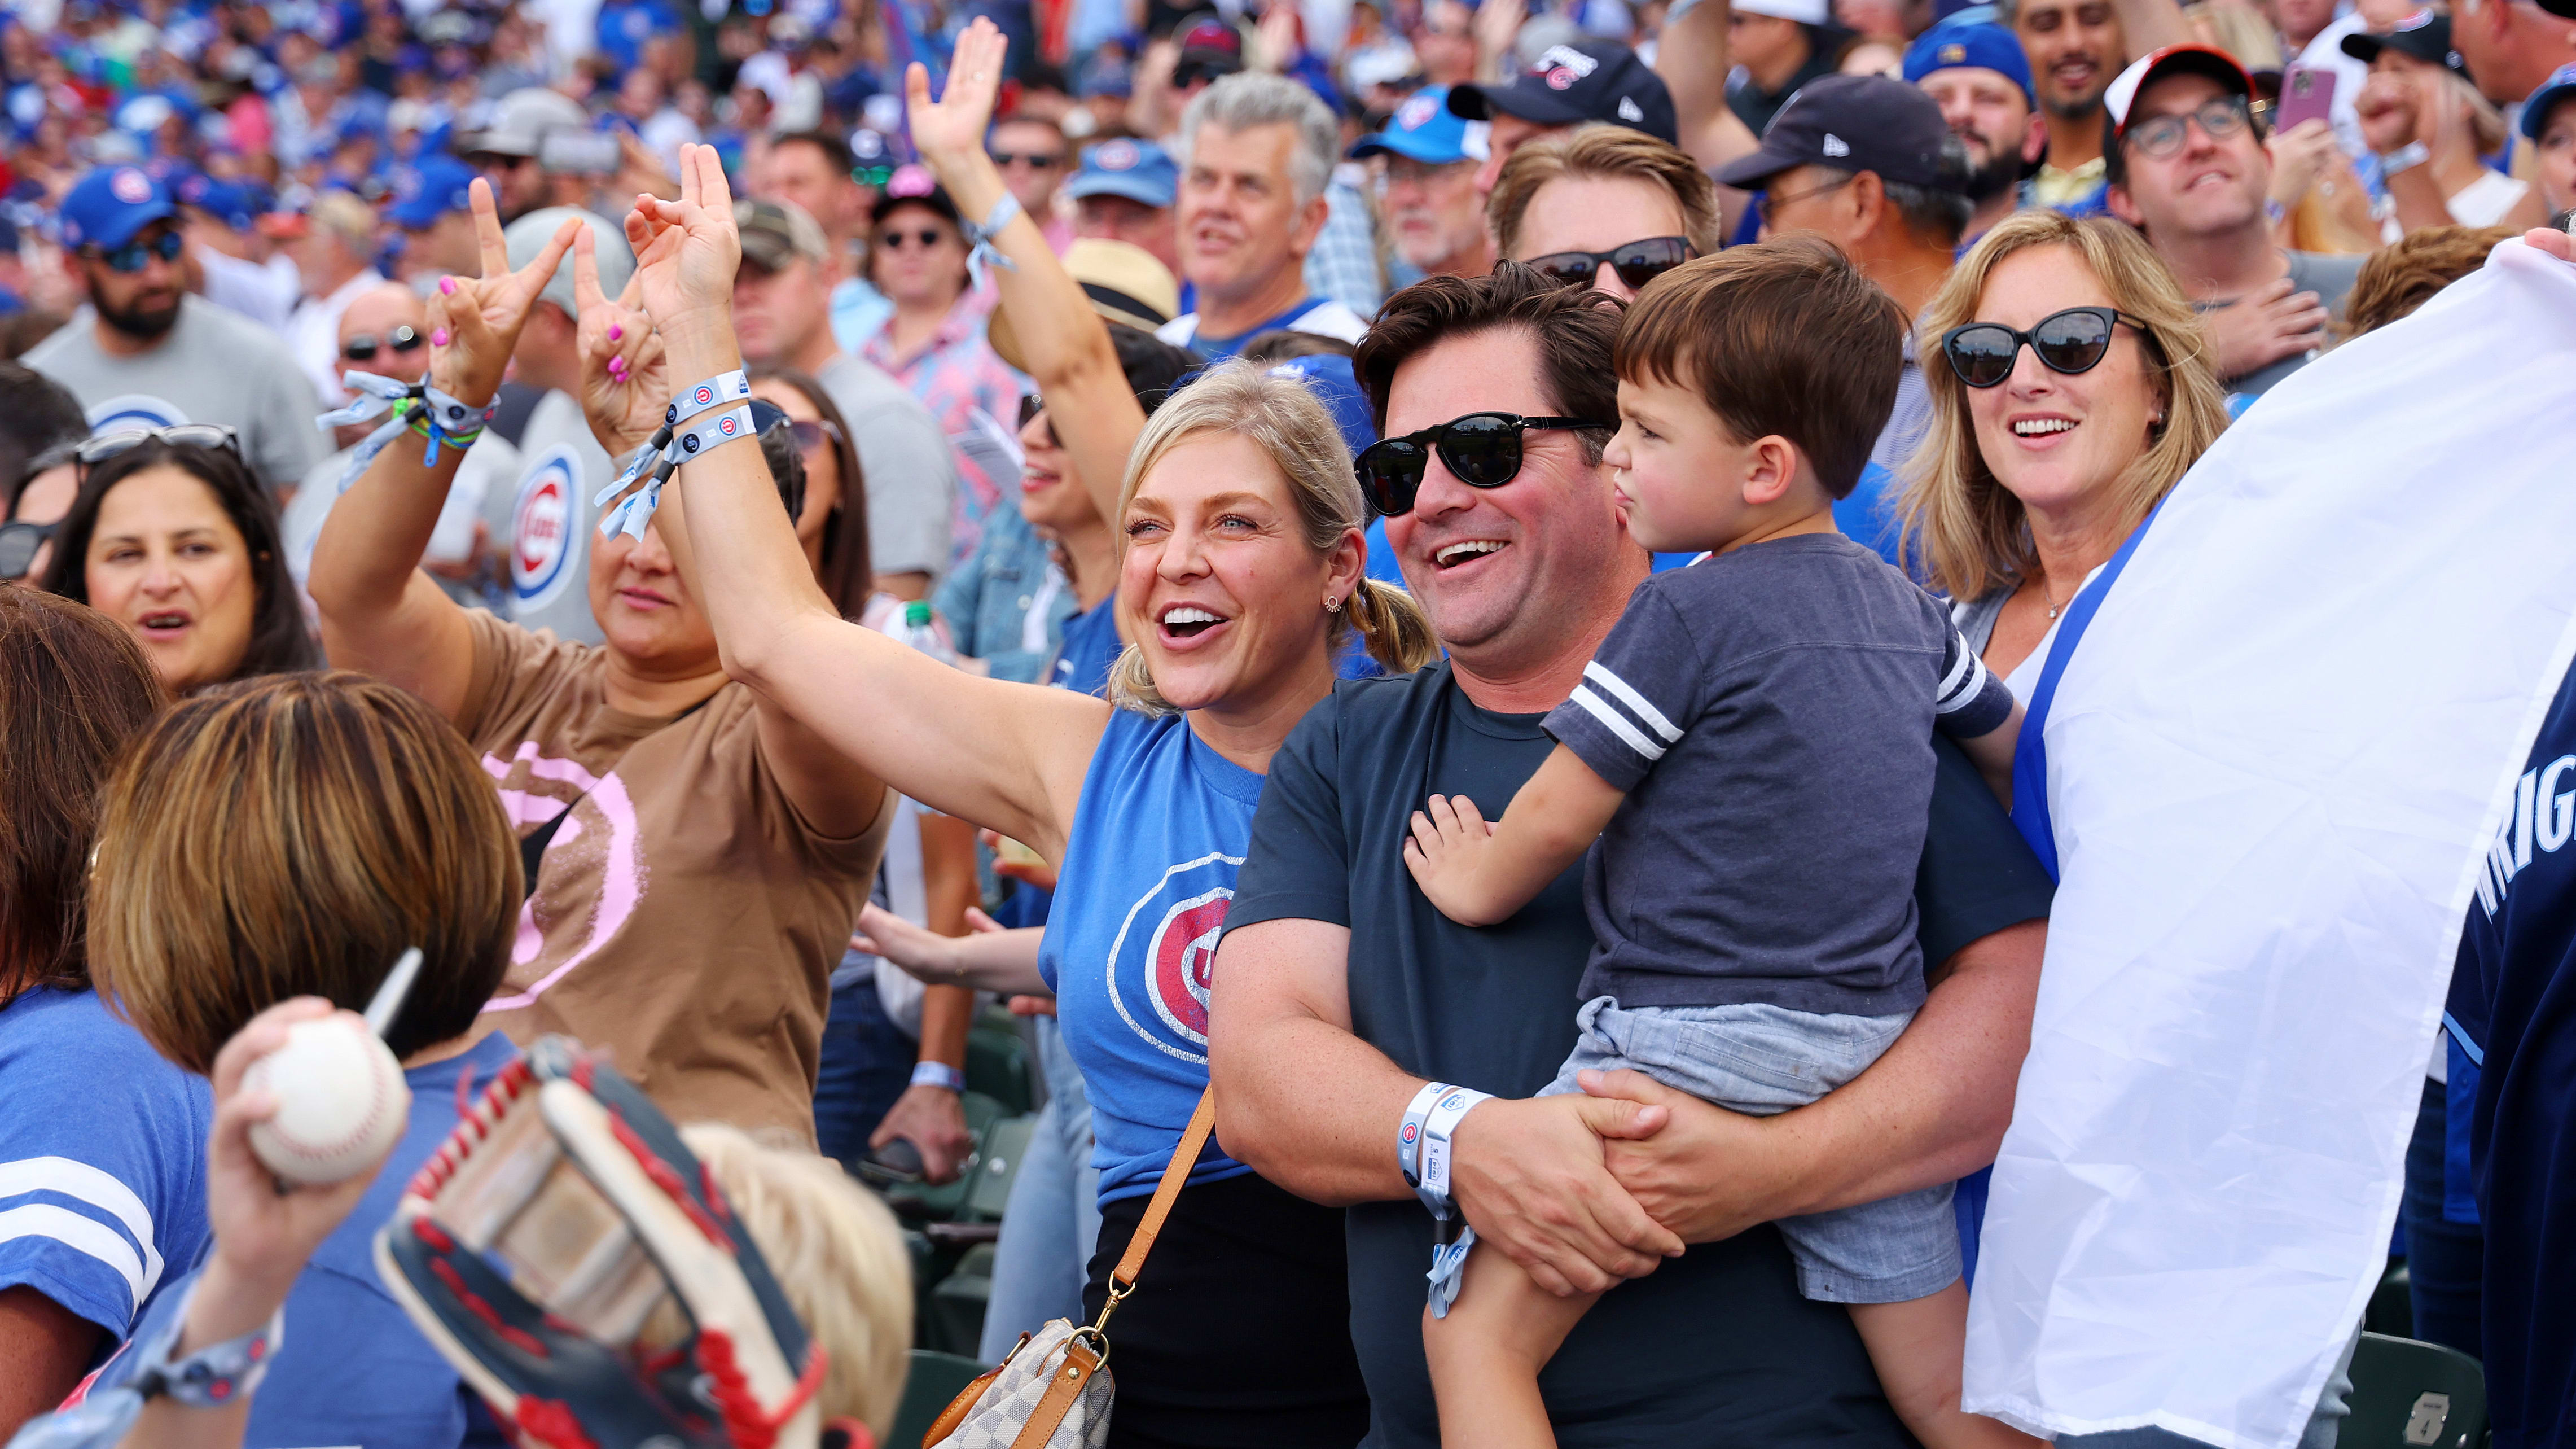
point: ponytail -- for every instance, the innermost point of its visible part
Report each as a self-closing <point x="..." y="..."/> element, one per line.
<point x="1392" y="626"/>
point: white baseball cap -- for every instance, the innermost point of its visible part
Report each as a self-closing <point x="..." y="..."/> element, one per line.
<point x="1805" y="12"/>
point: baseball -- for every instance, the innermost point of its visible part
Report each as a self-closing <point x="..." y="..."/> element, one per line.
<point x="341" y="1101"/>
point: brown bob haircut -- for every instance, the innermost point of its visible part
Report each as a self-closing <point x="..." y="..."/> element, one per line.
<point x="1573" y="328"/>
<point x="1608" y="152"/>
<point x="290" y="836"/>
<point x="1782" y="338"/>
<point x="74" y="687"/>
<point x="2405" y="274"/>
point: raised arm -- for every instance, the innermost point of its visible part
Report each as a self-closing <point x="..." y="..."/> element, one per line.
<point x="1307" y="1104"/>
<point x="1093" y="411"/>
<point x="1004" y="755"/>
<point x="380" y="612"/>
<point x="989" y="958"/>
<point x="2150" y="25"/>
<point x="1691" y="57"/>
<point x="1932" y="1110"/>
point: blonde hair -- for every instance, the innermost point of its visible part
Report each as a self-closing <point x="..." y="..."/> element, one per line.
<point x="1970" y="530"/>
<point x="290" y="836"/>
<point x="1281" y="416"/>
<point x="836" y="1252"/>
<point x="1609" y="152"/>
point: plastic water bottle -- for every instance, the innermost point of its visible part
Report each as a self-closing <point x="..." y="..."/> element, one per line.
<point x="920" y="634"/>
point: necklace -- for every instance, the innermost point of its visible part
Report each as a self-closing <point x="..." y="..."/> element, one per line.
<point x="2047" y="597"/>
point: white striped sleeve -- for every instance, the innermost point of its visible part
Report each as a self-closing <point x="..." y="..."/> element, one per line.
<point x="1622" y="718"/>
<point x="80" y="1235"/>
<point x="1971" y="700"/>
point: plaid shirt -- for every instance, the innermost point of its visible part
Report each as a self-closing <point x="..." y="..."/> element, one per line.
<point x="1343" y="265"/>
<point x="958" y="375"/>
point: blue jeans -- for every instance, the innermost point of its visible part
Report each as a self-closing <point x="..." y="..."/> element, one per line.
<point x="2444" y="1259"/>
<point x="867" y="1064"/>
<point x="1053" y="1217"/>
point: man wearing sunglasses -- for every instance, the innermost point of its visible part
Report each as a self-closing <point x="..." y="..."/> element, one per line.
<point x="147" y="354"/>
<point x="1339" y="989"/>
<point x="2187" y="166"/>
<point x="1034" y="159"/>
<point x="1868" y="163"/>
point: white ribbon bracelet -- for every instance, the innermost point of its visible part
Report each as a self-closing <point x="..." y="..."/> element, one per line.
<point x="636" y="511"/>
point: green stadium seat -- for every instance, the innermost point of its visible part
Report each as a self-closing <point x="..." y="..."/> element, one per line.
<point x="2411" y="1395"/>
<point x="935" y="1379"/>
<point x="955" y="1320"/>
<point x="999" y="1164"/>
<point x="997" y="1063"/>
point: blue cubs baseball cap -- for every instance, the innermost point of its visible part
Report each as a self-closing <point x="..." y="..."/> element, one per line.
<point x="1138" y="170"/>
<point x="1956" y="44"/>
<point x="1425" y="129"/>
<point x="424" y="193"/>
<point x="226" y="201"/>
<point x="2560" y="86"/>
<point x="109" y="205"/>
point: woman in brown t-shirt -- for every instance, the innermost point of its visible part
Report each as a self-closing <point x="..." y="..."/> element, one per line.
<point x="701" y="857"/>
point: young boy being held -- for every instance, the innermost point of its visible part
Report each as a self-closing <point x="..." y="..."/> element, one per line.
<point x="1752" y="746"/>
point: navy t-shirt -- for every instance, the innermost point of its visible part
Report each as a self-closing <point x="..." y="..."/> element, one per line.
<point x="1715" y="1347"/>
<point x="2513" y="1004"/>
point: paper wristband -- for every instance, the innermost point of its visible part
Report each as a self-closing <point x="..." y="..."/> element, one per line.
<point x="1408" y="1142"/>
<point x="1438" y="1127"/>
<point x="631" y="516"/>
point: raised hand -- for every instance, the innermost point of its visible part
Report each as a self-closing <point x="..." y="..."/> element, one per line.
<point x="624" y="383"/>
<point x="956" y="122"/>
<point x="475" y="322"/>
<point x="687" y="251"/>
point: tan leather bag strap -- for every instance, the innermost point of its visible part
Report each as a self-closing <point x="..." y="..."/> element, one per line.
<point x="1175" y="1174"/>
<point x="1062" y="1389"/>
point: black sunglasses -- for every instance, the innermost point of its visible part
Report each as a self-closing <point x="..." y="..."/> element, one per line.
<point x="96" y="450"/>
<point x="926" y="238"/>
<point x="1036" y="159"/>
<point x="1030" y="406"/>
<point x="1637" y="263"/>
<point x="1482" y="450"/>
<point x="811" y="435"/>
<point x="365" y="346"/>
<point x="134" y="255"/>
<point x="2075" y="340"/>
<point x="18" y="544"/>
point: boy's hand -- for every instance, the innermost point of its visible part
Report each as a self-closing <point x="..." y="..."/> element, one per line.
<point x="263" y="1236"/>
<point x="1447" y="854"/>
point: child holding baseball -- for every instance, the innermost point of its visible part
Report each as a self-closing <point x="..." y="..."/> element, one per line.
<point x="1752" y="747"/>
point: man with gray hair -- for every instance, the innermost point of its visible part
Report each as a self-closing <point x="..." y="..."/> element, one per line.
<point x="336" y="257"/>
<point x="545" y="524"/>
<point x="1257" y="151"/>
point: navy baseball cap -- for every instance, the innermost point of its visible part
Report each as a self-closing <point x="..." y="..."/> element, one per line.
<point x="2560" y="86"/>
<point x="2425" y="35"/>
<point x="1138" y="170"/>
<point x="424" y="193"/>
<point x="1852" y="123"/>
<point x="108" y="206"/>
<point x="1981" y="46"/>
<point x="1425" y="129"/>
<point x="1587" y="80"/>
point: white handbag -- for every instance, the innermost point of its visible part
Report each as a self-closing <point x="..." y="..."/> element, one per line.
<point x="1053" y="1389"/>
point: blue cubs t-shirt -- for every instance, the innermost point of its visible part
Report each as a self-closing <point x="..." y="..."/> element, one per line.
<point x="2513" y="1013"/>
<point x="1148" y="874"/>
<point x="354" y="1370"/>
<point x="1090" y="646"/>
<point x="102" y="1159"/>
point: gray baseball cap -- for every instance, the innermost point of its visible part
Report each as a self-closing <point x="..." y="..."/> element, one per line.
<point x="519" y="121"/>
<point x="527" y="237"/>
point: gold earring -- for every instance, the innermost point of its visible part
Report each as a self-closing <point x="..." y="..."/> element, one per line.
<point x="1332" y="606"/>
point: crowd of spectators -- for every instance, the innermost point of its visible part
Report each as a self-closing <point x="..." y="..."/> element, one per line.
<point x="1204" y="435"/>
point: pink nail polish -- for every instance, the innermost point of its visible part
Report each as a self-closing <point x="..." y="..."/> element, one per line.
<point x="447" y="286"/>
<point x="438" y="338"/>
<point x="615" y="332"/>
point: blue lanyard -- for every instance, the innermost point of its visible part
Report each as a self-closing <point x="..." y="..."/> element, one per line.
<point x="2030" y="751"/>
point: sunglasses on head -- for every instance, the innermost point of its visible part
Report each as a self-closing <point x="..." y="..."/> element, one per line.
<point x="1637" y="263"/>
<point x="925" y="238"/>
<point x="1038" y="160"/>
<point x="365" y="345"/>
<point x="19" y="542"/>
<point x="2157" y="137"/>
<point x="96" y="450"/>
<point x="135" y="255"/>
<point x="1481" y="450"/>
<point x="2075" y="340"/>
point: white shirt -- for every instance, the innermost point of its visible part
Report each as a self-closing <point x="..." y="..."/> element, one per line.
<point x="314" y="333"/>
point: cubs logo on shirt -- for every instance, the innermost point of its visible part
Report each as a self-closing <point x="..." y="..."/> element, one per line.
<point x="1159" y="965"/>
<point x="541" y="543"/>
<point x="130" y="411"/>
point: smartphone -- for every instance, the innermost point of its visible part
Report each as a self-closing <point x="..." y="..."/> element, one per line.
<point x="2306" y="95"/>
<point x="578" y="153"/>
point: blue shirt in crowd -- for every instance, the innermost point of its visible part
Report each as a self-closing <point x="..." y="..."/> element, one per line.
<point x="2513" y="1015"/>
<point x="1090" y="647"/>
<point x="354" y="1370"/>
<point x="1008" y="603"/>
<point x="102" y="1160"/>
<point x="1156" y="841"/>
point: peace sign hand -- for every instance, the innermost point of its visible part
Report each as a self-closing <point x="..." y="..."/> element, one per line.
<point x="953" y="126"/>
<point x="476" y="321"/>
<point x="687" y="251"/>
<point x="624" y="384"/>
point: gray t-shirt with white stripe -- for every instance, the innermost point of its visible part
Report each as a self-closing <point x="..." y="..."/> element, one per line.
<point x="1769" y="713"/>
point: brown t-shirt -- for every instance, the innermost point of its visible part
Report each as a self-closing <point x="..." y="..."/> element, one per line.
<point x="685" y="917"/>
